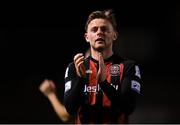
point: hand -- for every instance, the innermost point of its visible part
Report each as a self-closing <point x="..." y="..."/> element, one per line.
<point x="101" y="75"/>
<point x="78" y="61"/>
<point x="47" y="87"/>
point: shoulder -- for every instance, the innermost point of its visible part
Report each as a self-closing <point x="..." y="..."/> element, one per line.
<point x="125" y="61"/>
<point x="69" y="69"/>
<point x="131" y="67"/>
<point x="129" y="64"/>
<point x="71" y="64"/>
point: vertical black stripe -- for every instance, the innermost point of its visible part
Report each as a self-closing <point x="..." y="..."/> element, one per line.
<point x="115" y="80"/>
<point x="87" y="67"/>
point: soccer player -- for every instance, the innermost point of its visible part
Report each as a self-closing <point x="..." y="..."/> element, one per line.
<point x="103" y="87"/>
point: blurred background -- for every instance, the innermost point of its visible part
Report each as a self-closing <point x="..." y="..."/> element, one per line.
<point x="38" y="40"/>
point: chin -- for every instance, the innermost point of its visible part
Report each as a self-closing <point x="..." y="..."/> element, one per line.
<point x="100" y="49"/>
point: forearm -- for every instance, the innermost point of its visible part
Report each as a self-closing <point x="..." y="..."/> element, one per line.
<point x="59" y="107"/>
<point x="72" y="97"/>
<point x="122" y="97"/>
<point x="109" y="90"/>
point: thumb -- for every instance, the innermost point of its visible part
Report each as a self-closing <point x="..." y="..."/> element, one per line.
<point x="101" y="61"/>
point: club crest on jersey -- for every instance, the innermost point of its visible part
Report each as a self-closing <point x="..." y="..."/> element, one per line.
<point x="114" y="70"/>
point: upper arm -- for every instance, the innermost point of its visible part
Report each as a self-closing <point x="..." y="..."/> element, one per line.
<point x="131" y="78"/>
<point x="130" y="86"/>
<point x="73" y="89"/>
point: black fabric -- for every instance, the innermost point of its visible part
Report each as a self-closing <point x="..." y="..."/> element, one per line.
<point x="122" y="100"/>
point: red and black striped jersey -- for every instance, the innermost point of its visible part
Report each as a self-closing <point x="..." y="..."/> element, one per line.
<point x="110" y="101"/>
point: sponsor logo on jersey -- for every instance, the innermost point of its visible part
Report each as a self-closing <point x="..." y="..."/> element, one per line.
<point x="115" y="86"/>
<point x="114" y="70"/>
<point x="135" y="86"/>
<point x="97" y="88"/>
<point x="67" y="86"/>
<point x="137" y="72"/>
<point x="88" y="88"/>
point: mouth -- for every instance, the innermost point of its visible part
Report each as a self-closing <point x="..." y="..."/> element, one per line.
<point x="100" y="40"/>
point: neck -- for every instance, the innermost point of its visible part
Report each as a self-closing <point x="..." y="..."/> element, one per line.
<point x="106" y="53"/>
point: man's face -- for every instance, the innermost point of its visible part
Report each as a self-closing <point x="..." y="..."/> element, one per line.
<point x="100" y="34"/>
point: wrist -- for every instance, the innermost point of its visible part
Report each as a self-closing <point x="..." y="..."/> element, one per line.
<point x="51" y="96"/>
<point x="103" y="82"/>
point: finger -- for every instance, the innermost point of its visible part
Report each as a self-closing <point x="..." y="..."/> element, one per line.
<point x="101" y="61"/>
<point x="51" y="83"/>
<point x="44" y="85"/>
<point x="79" y="60"/>
<point x="78" y="70"/>
<point x="79" y="64"/>
<point x="81" y="67"/>
<point x="83" y="70"/>
<point x="77" y="56"/>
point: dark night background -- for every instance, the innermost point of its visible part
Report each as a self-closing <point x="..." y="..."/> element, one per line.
<point x="38" y="40"/>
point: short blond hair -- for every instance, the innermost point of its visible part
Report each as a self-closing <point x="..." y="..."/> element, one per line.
<point x="105" y="14"/>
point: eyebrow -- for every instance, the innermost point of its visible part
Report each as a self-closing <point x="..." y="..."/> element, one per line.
<point x="99" y="26"/>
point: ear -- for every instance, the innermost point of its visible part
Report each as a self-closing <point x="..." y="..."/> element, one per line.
<point x="115" y="36"/>
<point x="86" y="37"/>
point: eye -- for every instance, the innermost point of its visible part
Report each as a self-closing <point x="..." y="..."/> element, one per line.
<point x="104" y="29"/>
<point x="94" y="29"/>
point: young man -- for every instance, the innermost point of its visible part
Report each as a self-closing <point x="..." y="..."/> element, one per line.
<point x="103" y="87"/>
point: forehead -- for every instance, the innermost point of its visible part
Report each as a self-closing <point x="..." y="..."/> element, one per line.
<point x="99" y="22"/>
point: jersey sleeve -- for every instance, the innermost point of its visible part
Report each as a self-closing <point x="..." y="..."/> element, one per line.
<point x="73" y="89"/>
<point x="125" y="96"/>
<point x="130" y="86"/>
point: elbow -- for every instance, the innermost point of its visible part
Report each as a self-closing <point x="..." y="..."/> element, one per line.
<point x="65" y="118"/>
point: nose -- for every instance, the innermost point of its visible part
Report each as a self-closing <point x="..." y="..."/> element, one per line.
<point x="99" y="32"/>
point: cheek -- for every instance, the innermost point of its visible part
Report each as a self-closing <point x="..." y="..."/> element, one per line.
<point x="111" y="36"/>
<point x="91" y="37"/>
